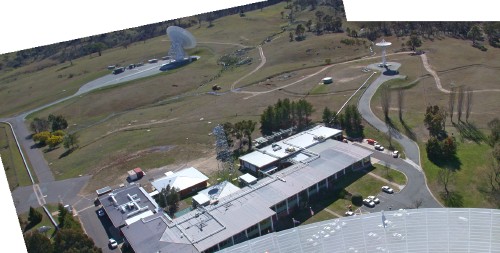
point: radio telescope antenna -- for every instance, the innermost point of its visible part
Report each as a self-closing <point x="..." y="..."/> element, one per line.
<point x="181" y="39"/>
<point x="384" y="45"/>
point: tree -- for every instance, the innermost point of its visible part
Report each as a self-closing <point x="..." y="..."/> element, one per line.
<point x="290" y="35"/>
<point x="449" y="147"/>
<point x="494" y="126"/>
<point x="445" y="177"/>
<point x="57" y="122"/>
<point x="70" y="240"/>
<point x="54" y="140"/>
<point x="42" y="137"/>
<point x="34" y="216"/>
<point x="385" y="100"/>
<point x="460" y="102"/>
<point x="327" y="116"/>
<point x="433" y="148"/>
<point x="493" y="174"/>
<point x="414" y="42"/>
<point x="308" y="25"/>
<point x="475" y="33"/>
<point x="70" y="141"/>
<point x="401" y="96"/>
<point x="468" y="103"/>
<point x="266" y="121"/>
<point x="248" y="128"/>
<point x="299" y="31"/>
<point x="451" y="102"/>
<point x="39" y="125"/>
<point x="434" y="120"/>
<point x="37" y="243"/>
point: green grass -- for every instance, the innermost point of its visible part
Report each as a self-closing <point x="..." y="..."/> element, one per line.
<point x="45" y="222"/>
<point x="319" y="89"/>
<point x="15" y="170"/>
<point x="389" y="174"/>
<point x="470" y="180"/>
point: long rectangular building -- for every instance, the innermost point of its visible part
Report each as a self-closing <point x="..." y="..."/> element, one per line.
<point x="253" y="210"/>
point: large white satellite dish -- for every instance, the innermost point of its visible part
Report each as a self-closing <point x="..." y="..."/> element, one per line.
<point x="181" y="39"/>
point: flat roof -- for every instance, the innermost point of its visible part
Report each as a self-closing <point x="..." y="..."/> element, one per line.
<point x="248" y="178"/>
<point x="120" y="211"/>
<point x="258" y="159"/>
<point x="207" y="226"/>
<point x="289" y="146"/>
<point x="413" y="230"/>
<point x="182" y="179"/>
<point x="215" y="192"/>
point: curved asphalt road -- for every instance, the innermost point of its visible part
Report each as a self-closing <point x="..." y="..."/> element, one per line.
<point x="411" y="148"/>
<point x="415" y="189"/>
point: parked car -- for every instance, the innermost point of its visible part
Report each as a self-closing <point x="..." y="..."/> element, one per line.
<point x="395" y="154"/>
<point x="387" y="189"/>
<point x="118" y="70"/>
<point x="349" y="213"/>
<point x="368" y="203"/>
<point x="374" y="199"/>
<point x="131" y="66"/>
<point x="100" y="212"/>
<point x="379" y="147"/>
<point x="112" y="243"/>
<point x="370" y="141"/>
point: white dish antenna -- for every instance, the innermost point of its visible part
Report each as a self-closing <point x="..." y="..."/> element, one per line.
<point x="181" y="39"/>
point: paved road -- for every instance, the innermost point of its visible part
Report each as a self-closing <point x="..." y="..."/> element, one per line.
<point x="411" y="148"/>
<point x="415" y="189"/>
<point x="100" y="229"/>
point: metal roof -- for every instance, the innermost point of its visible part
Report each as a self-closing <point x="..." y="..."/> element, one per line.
<point x="248" y="178"/>
<point x="182" y="179"/>
<point x="215" y="192"/>
<point x="414" y="230"/>
<point x="117" y="207"/>
<point x="258" y="159"/>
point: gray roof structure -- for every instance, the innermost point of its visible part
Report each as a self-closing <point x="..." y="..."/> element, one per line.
<point x="124" y="203"/>
<point x="204" y="227"/>
<point x="413" y="230"/>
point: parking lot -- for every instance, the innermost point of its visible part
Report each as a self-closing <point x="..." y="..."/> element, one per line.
<point x="100" y="229"/>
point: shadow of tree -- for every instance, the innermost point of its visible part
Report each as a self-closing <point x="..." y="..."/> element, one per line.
<point x="408" y="131"/>
<point x="454" y="199"/>
<point x="452" y="163"/>
<point x="66" y="153"/>
<point x="469" y="131"/>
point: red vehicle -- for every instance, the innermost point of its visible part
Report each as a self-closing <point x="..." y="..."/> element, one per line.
<point x="370" y="141"/>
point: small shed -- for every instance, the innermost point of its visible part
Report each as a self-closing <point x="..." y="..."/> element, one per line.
<point x="327" y="80"/>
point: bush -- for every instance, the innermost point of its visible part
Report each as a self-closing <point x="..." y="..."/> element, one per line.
<point x="357" y="199"/>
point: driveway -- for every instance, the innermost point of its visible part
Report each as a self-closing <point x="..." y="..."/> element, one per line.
<point x="414" y="191"/>
<point x="99" y="229"/>
<point x="411" y="148"/>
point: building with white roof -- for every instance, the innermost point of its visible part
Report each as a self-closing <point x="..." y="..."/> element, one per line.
<point x="187" y="181"/>
<point x="253" y="210"/>
<point x="268" y="158"/>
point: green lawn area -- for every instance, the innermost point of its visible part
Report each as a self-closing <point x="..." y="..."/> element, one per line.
<point x="469" y="182"/>
<point x="15" y="170"/>
<point x="45" y="222"/>
<point x="389" y="174"/>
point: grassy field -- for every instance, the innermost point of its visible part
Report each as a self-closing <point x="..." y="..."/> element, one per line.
<point x="389" y="174"/>
<point x="12" y="160"/>
<point x="472" y="67"/>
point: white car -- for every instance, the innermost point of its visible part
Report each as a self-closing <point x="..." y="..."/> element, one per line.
<point x="368" y="203"/>
<point x="379" y="147"/>
<point x="395" y="154"/>
<point x="349" y="213"/>
<point x="112" y="243"/>
<point x="374" y="199"/>
<point x="387" y="189"/>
